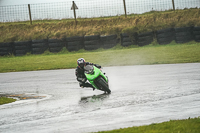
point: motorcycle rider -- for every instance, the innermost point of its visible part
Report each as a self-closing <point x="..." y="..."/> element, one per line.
<point x="80" y="76"/>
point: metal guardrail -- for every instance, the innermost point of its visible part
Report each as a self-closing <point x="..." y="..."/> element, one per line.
<point x="89" y="9"/>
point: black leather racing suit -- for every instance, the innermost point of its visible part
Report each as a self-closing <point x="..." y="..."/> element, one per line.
<point x="80" y="76"/>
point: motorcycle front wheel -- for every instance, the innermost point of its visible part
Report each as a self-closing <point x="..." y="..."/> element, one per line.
<point x="103" y="85"/>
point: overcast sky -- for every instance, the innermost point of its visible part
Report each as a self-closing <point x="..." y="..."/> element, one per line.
<point x="19" y="2"/>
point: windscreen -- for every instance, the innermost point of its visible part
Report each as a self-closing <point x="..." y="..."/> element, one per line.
<point x="89" y="69"/>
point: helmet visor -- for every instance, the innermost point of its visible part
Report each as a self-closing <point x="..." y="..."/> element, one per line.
<point x="82" y="64"/>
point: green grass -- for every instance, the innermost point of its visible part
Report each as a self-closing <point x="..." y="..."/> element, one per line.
<point x="173" y="126"/>
<point x="117" y="56"/>
<point x="5" y="100"/>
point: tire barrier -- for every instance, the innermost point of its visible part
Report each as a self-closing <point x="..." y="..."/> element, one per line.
<point x="196" y="33"/>
<point x="55" y="45"/>
<point x="63" y="41"/>
<point x="39" y="46"/>
<point x="92" y="42"/>
<point x="145" y="38"/>
<point x="127" y="40"/>
<point x="165" y="36"/>
<point x="108" y="41"/>
<point x="6" y="48"/>
<point x="74" y="43"/>
<point x="184" y="34"/>
<point x="22" y="48"/>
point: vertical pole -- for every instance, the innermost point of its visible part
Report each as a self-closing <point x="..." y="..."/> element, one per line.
<point x="125" y="8"/>
<point x="29" y="9"/>
<point x="173" y="5"/>
<point x="74" y="12"/>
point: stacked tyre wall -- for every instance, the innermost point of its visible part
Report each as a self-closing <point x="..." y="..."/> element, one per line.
<point x="92" y="42"/>
<point x="39" y="46"/>
<point x="21" y="48"/>
<point x="184" y="35"/>
<point x="6" y="48"/>
<point x="164" y="36"/>
<point x="196" y="33"/>
<point x="74" y="43"/>
<point x="128" y="39"/>
<point x="145" y="38"/>
<point x="108" y="41"/>
<point x="55" y="45"/>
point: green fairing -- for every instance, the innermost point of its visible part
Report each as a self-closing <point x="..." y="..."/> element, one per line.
<point x="92" y="77"/>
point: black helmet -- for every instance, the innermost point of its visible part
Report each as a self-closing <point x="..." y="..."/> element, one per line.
<point x="81" y="62"/>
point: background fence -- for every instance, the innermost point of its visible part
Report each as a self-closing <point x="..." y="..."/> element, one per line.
<point x="89" y="9"/>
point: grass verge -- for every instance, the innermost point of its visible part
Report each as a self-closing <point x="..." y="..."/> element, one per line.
<point x="151" y="21"/>
<point x="5" y="100"/>
<point x="173" y="126"/>
<point x="120" y="56"/>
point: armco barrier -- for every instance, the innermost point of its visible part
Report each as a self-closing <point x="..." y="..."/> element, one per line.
<point x="165" y="36"/>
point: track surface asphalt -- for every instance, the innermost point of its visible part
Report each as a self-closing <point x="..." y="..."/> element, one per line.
<point x="140" y="95"/>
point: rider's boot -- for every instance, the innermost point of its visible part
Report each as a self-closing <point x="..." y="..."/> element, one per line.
<point x="89" y="85"/>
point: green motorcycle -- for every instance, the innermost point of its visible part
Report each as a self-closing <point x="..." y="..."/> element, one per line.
<point x="97" y="78"/>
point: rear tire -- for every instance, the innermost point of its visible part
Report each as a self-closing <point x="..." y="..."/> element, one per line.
<point x="103" y="85"/>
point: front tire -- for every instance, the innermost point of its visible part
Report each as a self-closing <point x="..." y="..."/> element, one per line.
<point x="103" y="85"/>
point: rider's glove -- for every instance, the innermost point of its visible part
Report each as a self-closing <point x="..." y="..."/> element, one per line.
<point x="98" y="66"/>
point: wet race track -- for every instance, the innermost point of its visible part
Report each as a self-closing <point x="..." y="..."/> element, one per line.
<point x="140" y="95"/>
